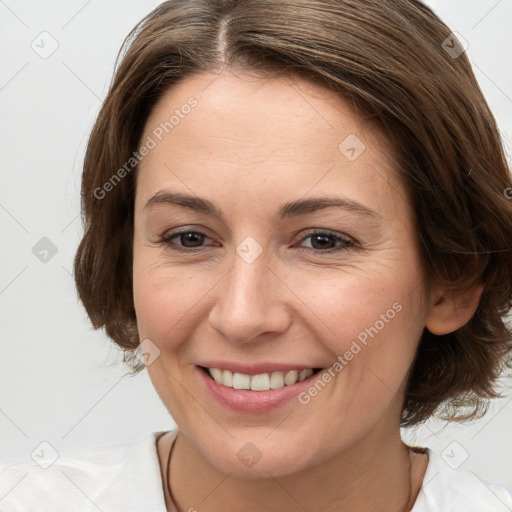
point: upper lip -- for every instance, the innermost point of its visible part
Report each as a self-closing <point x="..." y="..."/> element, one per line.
<point x="256" y="368"/>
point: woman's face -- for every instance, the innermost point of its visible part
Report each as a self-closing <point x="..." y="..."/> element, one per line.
<point x="297" y="251"/>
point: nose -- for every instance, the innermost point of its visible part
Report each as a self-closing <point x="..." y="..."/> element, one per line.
<point x="250" y="303"/>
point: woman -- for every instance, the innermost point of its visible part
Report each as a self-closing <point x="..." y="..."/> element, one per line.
<point x="297" y="221"/>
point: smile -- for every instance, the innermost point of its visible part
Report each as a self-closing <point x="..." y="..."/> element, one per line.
<point x="259" y="382"/>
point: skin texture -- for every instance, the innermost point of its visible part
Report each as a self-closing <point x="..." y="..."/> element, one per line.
<point x="250" y="145"/>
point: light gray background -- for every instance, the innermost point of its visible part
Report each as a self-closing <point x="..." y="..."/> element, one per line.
<point x="60" y="381"/>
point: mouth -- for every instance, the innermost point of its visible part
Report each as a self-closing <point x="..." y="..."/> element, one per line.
<point x="261" y="381"/>
<point x="255" y="388"/>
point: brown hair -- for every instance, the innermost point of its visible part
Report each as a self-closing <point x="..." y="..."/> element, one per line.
<point x="392" y="60"/>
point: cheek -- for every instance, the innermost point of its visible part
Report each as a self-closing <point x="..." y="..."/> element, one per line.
<point x="167" y="298"/>
<point x="359" y="302"/>
<point x="371" y="322"/>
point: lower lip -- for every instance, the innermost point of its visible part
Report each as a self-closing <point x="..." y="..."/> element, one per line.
<point x="254" y="401"/>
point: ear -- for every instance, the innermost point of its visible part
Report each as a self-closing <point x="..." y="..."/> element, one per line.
<point x="452" y="309"/>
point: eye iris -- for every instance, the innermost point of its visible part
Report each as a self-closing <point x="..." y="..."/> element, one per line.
<point x="192" y="237"/>
<point x="323" y="240"/>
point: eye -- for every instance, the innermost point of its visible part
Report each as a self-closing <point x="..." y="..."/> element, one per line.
<point x="188" y="240"/>
<point x="321" y="241"/>
<point x="324" y="241"/>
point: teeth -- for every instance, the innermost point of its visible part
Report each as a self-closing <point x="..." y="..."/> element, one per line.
<point x="305" y="374"/>
<point x="260" y="382"/>
<point x="291" y="377"/>
<point x="216" y="374"/>
<point x="241" y="381"/>
<point x="227" y="378"/>
<point x="277" y="380"/>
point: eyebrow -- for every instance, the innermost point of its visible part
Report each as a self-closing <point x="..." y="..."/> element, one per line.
<point x="291" y="209"/>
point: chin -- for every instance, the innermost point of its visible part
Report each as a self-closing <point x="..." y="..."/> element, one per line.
<point x="258" y="458"/>
<point x="270" y="465"/>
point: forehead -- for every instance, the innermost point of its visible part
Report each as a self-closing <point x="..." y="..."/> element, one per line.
<point x="252" y="109"/>
<point x="255" y="134"/>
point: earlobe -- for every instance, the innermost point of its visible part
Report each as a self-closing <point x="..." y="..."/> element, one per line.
<point x="452" y="309"/>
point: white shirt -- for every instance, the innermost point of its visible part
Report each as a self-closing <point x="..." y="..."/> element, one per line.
<point x="125" y="477"/>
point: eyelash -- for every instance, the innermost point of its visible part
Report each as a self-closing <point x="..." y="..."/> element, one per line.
<point x="345" y="243"/>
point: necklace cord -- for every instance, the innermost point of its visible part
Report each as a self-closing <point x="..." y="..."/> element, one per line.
<point x="167" y="479"/>
<point x="407" y="508"/>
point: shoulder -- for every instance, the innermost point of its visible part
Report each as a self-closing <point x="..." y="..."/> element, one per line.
<point x="451" y="490"/>
<point x="123" y="476"/>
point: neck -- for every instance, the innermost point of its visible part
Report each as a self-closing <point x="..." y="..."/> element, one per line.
<point x="372" y="474"/>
